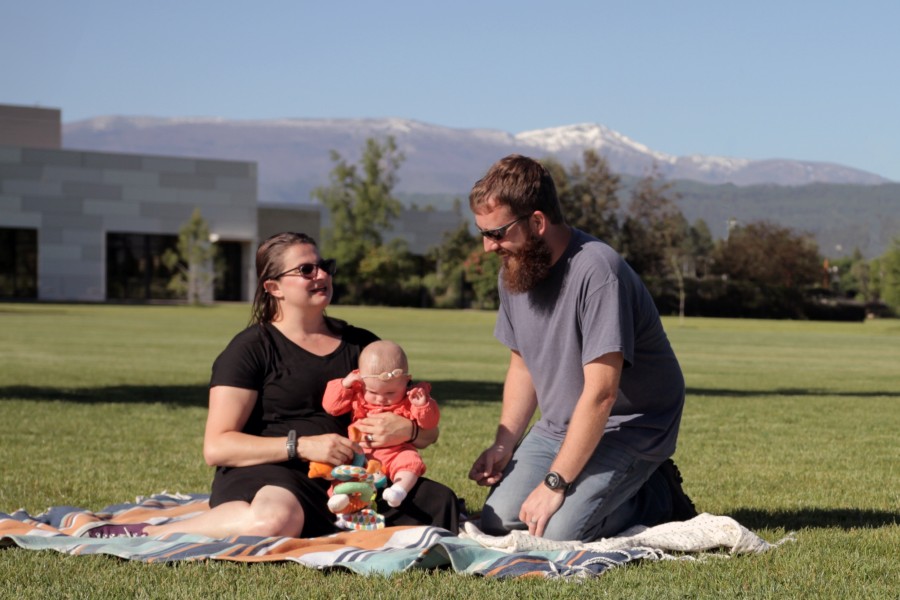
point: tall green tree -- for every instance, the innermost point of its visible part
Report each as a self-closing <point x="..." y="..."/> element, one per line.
<point x="654" y="228"/>
<point x="767" y="254"/>
<point x="591" y="200"/>
<point x="391" y="275"/>
<point x="850" y="277"/>
<point x="588" y="195"/>
<point x="655" y="236"/>
<point x="482" y="269"/>
<point x="700" y="246"/>
<point x="561" y="180"/>
<point x="447" y="282"/>
<point x="888" y="267"/>
<point x="361" y="205"/>
<point x="193" y="261"/>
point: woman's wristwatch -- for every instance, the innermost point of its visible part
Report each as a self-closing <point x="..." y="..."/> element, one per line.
<point x="291" y="444"/>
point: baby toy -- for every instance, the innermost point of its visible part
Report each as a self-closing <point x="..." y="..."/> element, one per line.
<point x="353" y="500"/>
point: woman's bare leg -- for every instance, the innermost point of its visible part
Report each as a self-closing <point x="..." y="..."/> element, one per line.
<point x="274" y="511"/>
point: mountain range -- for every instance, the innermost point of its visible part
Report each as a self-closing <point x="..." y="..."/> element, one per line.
<point x="441" y="163"/>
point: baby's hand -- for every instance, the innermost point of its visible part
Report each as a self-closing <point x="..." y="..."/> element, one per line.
<point x="351" y="379"/>
<point x="417" y="397"/>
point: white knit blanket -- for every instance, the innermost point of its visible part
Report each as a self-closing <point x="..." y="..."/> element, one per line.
<point x="702" y="533"/>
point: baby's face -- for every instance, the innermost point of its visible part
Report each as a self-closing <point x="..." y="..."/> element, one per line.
<point x="385" y="393"/>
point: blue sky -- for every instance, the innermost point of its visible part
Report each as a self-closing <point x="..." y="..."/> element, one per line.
<point x="811" y="80"/>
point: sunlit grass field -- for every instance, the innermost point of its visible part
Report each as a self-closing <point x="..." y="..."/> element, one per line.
<point x="789" y="427"/>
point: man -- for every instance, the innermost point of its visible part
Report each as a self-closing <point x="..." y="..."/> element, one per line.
<point x="588" y="349"/>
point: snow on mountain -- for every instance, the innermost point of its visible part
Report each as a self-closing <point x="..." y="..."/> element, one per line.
<point x="575" y="138"/>
<point x="294" y="154"/>
<point x="713" y="163"/>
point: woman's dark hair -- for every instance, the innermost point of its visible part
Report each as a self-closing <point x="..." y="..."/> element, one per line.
<point x="269" y="263"/>
<point x="521" y="183"/>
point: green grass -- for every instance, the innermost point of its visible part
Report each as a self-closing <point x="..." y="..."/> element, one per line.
<point x="789" y="426"/>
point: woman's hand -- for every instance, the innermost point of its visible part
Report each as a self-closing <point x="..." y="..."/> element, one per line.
<point x="329" y="448"/>
<point x="388" y="429"/>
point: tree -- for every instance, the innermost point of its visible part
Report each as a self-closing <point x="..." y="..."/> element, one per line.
<point x="390" y="275"/>
<point x="700" y="246"/>
<point x="655" y="236"/>
<point x="767" y="254"/>
<point x="193" y="261"/>
<point x="590" y="201"/>
<point x="861" y="277"/>
<point x="560" y="179"/>
<point x="889" y="274"/>
<point x="482" y="269"/>
<point x="653" y="227"/>
<point x="361" y="205"/>
<point x="850" y="277"/>
<point x="447" y="283"/>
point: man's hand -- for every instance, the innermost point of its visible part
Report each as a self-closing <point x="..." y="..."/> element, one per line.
<point x="488" y="468"/>
<point x="537" y="509"/>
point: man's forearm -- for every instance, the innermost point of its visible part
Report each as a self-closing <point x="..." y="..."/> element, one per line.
<point x="584" y="434"/>
<point x="588" y="422"/>
<point x="519" y="403"/>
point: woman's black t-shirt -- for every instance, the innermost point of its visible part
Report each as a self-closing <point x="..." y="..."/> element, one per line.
<point x="290" y="381"/>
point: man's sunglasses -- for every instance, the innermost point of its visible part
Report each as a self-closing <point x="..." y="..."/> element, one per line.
<point x="498" y="233"/>
<point x="310" y="270"/>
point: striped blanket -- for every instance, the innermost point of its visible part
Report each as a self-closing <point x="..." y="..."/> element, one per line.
<point x="384" y="551"/>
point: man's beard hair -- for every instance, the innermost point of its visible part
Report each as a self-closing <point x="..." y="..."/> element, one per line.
<point x="524" y="270"/>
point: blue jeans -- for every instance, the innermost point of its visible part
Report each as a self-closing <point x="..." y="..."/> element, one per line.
<point x="613" y="492"/>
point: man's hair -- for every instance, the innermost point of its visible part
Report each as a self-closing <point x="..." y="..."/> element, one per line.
<point x="521" y="183"/>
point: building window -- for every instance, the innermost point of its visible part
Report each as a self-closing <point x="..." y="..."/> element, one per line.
<point x="18" y="263"/>
<point x="229" y="276"/>
<point x="134" y="267"/>
<point x="135" y="271"/>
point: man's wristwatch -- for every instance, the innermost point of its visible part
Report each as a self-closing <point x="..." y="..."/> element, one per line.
<point x="555" y="482"/>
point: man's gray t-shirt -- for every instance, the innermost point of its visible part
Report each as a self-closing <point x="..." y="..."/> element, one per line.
<point x="591" y="304"/>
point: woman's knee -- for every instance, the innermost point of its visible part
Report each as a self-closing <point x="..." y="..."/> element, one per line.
<point x="279" y="522"/>
<point x="275" y="512"/>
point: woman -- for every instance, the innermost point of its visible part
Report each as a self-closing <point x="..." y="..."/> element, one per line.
<point x="267" y="386"/>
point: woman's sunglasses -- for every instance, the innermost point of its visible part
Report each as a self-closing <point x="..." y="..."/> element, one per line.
<point x="310" y="270"/>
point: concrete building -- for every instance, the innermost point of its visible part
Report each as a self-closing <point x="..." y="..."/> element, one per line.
<point x="79" y="225"/>
<point x="92" y="226"/>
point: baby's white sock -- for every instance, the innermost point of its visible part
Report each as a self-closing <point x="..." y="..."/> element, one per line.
<point x="394" y="495"/>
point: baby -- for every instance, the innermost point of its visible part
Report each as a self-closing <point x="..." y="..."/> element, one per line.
<point x="381" y="384"/>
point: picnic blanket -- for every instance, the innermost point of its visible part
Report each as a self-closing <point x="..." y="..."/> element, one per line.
<point x="385" y="551"/>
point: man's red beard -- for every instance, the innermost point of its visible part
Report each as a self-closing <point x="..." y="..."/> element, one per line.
<point x="524" y="270"/>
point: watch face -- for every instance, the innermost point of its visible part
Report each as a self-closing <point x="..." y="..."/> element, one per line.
<point x="553" y="481"/>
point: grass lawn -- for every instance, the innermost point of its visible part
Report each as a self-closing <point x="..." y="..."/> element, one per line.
<point x="789" y="427"/>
